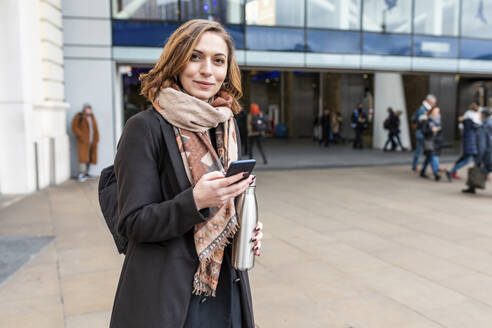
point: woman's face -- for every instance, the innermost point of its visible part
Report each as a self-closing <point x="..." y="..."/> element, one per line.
<point x="206" y="70"/>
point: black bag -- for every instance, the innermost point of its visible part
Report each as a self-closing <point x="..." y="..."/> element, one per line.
<point x="108" y="200"/>
<point x="429" y="145"/>
<point x="476" y="178"/>
<point x="386" y="124"/>
<point x="259" y="124"/>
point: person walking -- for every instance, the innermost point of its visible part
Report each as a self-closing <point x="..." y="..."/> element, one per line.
<point x="390" y="125"/>
<point x="397" y="131"/>
<point x="175" y="205"/>
<point x="325" y="128"/>
<point x="471" y="122"/>
<point x="359" y="124"/>
<point x="84" y="127"/>
<point x="431" y="130"/>
<point x="257" y="126"/>
<point x="427" y="105"/>
<point x="336" y="126"/>
<point x="484" y="138"/>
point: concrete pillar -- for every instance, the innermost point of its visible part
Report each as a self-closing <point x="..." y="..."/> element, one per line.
<point x="389" y="92"/>
<point x="33" y="139"/>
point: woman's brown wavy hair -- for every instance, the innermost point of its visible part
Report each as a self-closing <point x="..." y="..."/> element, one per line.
<point x="176" y="54"/>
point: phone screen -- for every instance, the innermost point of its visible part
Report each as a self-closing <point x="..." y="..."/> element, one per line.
<point x="241" y="166"/>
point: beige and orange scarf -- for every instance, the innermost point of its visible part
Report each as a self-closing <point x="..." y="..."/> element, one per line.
<point x="192" y="118"/>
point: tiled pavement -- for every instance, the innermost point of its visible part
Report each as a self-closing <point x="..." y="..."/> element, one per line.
<point x="353" y="247"/>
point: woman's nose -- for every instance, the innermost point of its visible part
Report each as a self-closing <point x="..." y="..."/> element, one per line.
<point x="206" y="67"/>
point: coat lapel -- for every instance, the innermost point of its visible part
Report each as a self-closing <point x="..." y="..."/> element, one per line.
<point x="174" y="155"/>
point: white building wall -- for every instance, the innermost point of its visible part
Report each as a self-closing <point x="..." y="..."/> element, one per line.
<point x="33" y="143"/>
<point x="89" y="71"/>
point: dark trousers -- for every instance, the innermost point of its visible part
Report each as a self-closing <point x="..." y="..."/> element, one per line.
<point x="358" y="138"/>
<point x="258" y="140"/>
<point x="394" y="138"/>
<point x="325" y="140"/>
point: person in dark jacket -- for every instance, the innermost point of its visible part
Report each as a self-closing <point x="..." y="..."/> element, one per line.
<point x="257" y="125"/>
<point x="175" y="205"/>
<point x="471" y="122"/>
<point x="359" y="124"/>
<point x="325" y="127"/>
<point x="390" y="124"/>
<point x="432" y="132"/>
<point x="484" y="142"/>
<point x="397" y="131"/>
<point x="427" y="104"/>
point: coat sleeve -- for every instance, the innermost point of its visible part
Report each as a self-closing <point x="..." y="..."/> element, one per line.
<point x="75" y="126"/>
<point x="96" y="129"/>
<point x="143" y="214"/>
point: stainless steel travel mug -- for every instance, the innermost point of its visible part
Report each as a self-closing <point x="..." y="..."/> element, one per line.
<point x="243" y="257"/>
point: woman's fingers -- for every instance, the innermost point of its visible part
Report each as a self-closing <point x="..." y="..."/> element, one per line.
<point x="259" y="226"/>
<point x="212" y="176"/>
<point x="230" y="180"/>
<point x="236" y="189"/>
<point x="257" y="247"/>
<point x="259" y="236"/>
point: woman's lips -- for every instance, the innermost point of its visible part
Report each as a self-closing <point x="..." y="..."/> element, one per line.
<point x="204" y="85"/>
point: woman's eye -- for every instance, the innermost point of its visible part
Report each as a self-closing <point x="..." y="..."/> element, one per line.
<point x="220" y="61"/>
<point x="195" y="57"/>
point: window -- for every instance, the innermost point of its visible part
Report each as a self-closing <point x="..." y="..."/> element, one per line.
<point x="271" y="12"/>
<point x="476" y="19"/>
<point x="436" y="17"/>
<point x="393" y="16"/>
<point x="223" y="11"/>
<point x="146" y="9"/>
<point x="334" y="14"/>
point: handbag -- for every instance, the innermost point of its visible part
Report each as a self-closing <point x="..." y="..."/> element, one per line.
<point x="476" y="178"/>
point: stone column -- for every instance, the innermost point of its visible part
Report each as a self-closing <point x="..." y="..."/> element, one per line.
<point x="389" y="92"/>
<point x="33" y="139"/>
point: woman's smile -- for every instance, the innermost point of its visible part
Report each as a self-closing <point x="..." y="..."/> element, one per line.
<point x="204" y="85"/>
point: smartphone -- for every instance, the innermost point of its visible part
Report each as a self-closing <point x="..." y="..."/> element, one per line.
<point x="245" y="166"/>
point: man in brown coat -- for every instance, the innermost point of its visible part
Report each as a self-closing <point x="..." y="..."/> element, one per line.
<point x="84" y="126"/>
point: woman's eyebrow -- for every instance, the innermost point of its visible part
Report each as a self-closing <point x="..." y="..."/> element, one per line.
<point x="217" y="54"/>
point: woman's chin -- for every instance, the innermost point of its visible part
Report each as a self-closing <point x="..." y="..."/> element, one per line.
<point x="203" y="93"/>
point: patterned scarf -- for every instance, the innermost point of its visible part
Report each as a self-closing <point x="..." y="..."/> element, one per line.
<point x="192" y="118"/>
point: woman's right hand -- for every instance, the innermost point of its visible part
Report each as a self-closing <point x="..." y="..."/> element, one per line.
<point x="213" y="189"/>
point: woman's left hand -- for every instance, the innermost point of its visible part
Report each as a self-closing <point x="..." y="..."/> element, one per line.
<point x="257" y="238"/>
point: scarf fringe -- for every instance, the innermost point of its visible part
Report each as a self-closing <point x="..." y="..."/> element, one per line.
<point x="199" y="287"/>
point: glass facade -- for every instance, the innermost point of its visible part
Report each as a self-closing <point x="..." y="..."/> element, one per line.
<point x="149" y="9"/>
<point x="476" y="19"/>
<point x="275" y="12"/>
<point x="224" y="11"/>
<point x="387" y="16"/>
<point x="334" y="14"/>
<point x="421" y="28"/>
<point x="436" y="17"/>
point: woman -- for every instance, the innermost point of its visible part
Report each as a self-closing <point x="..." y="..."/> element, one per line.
<point x="84" y="127"/>
<point x="431" y="128"/>
<point x="336" y="125"/>
<point x="256" y="127"/>
<point x="471" y="121"/>
<point x="484" y="138"/>
<point x="175" y="205"/>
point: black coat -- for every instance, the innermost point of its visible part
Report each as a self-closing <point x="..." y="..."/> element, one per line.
<point x="432" y="140"/>
<point x="157" y="213"/>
